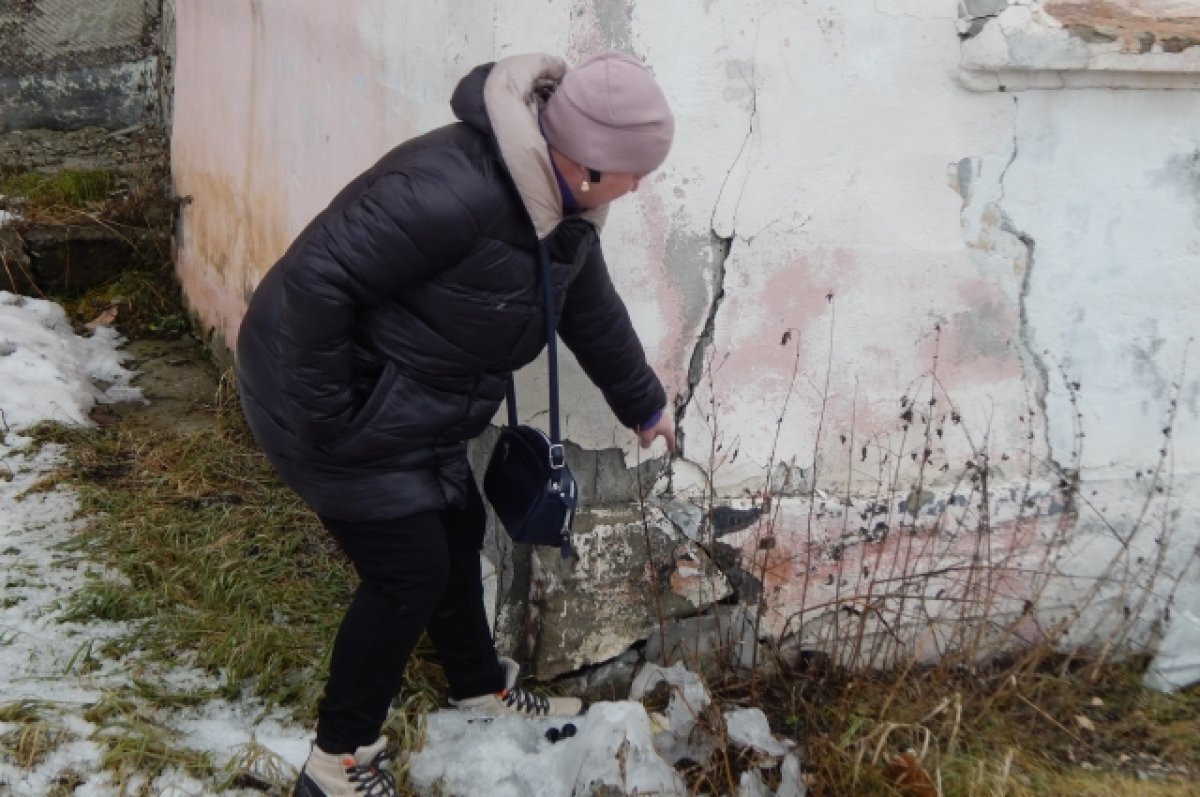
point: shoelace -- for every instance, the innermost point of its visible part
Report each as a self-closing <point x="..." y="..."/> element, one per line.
<point x="371" y="779"/>
<point x="525" y="702"/>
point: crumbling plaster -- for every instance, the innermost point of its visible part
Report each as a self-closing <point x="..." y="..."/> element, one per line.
<point x="1023" y="44"/>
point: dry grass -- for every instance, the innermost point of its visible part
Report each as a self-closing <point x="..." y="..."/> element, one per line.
<point x="984" y="732"/>
<point x="224" y="562"/>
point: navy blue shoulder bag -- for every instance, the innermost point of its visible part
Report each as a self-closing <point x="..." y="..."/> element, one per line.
<point x="527" y="480"/>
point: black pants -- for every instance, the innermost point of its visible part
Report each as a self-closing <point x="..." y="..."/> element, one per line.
<point x="417" y="573"/>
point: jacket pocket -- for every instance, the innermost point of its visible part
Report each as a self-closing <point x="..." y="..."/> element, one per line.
<point x="370" y="408"/>
<point x="401" y="416"/>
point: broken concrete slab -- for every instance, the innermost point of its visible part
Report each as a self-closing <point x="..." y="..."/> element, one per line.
<point x="720" y="642"/>
<point x="631" y="574"/>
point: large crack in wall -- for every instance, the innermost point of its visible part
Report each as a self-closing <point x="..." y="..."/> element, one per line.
<point x="1034" y="357"/>
<point x="721" y="245"/>
<point x="721" y="248"/>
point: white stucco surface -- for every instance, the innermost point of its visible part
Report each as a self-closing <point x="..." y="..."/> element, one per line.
<point x="1112" y="291"/>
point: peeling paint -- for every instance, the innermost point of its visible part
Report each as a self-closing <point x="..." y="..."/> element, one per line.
<point x="631" y="573"/>
<point x="739" y="86"/>
<point x="1083" y="44"/>
<point x="974" y="14"/>
<point x="964" y="175"/>
<point x="1171" y="29"/>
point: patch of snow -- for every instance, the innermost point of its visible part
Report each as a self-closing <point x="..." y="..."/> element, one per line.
<point x="748" y="727"/>
<point x="512" y="757"/>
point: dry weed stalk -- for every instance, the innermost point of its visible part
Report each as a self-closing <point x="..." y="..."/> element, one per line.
<point x="992" y="605"/>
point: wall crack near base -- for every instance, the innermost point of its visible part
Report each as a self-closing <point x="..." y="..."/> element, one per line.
<point x="722" y="246"/>
<point x="1035" y="358"/>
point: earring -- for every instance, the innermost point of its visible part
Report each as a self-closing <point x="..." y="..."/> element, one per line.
<point x="585" y="186"/>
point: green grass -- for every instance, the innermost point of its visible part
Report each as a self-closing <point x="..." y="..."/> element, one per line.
<point x="106" y="600"/>
<point x="137" y="198"/>
<point x="68" y="188"/>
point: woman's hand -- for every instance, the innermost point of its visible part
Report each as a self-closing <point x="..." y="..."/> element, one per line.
<point x="664" y="427"/>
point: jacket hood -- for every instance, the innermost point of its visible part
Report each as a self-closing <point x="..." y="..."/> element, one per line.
<point x="503" y="100"/>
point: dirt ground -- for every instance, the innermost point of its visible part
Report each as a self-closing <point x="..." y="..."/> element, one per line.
<point x="179" y="383"/>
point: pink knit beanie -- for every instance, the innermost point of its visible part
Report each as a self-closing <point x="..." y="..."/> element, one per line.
<point x="608" y="114"/>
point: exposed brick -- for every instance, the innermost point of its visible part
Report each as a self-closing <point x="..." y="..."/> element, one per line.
<point x="1138" y="24"/>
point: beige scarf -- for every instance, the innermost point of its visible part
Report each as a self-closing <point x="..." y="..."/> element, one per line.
<point x="513" y="96"/>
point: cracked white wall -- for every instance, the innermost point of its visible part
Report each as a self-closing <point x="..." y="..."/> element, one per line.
<point x="813" y="146"/>
<point x="833" y="150"/>
<point x="899" y="275"/>
<point x="1112" y="288"/>
<point x="863" y="264"/>
<point x="849" y="225"/>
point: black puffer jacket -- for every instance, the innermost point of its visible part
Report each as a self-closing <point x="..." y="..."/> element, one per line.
<point x="382" y="339"/>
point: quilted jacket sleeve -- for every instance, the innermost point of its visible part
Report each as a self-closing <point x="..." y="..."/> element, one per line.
<point x="401" y="228"/>
<point x="595" y="325"/>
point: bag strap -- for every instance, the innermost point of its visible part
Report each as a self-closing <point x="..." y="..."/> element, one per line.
<point x="557" y="455"/>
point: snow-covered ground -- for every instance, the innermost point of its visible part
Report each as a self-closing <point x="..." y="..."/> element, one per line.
<point x="47" y="372"/>
<point x="57" y="667"/>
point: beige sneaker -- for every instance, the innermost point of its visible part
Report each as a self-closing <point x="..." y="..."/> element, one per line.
<point x="513" y="701"/>
<point x="357" y="774"/>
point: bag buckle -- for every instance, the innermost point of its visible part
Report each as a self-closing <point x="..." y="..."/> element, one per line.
<point x="558" y="456"/>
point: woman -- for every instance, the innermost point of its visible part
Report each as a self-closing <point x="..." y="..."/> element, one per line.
<point x="382" y="341"/>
